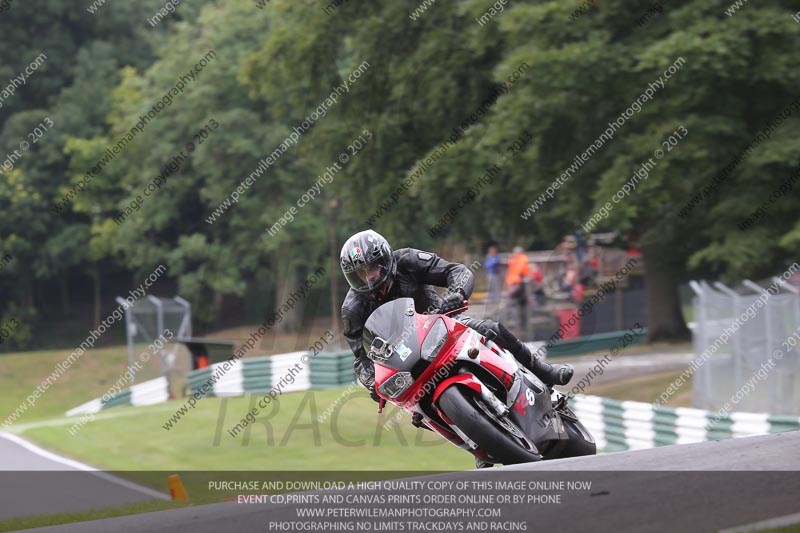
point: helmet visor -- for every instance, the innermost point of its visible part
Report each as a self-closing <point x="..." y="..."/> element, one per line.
<point x="370" y="276"/>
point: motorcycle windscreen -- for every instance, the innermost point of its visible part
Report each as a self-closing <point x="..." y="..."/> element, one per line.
<point x="391" y="338"/>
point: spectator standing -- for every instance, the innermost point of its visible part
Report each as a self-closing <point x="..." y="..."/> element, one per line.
<point x="493" y="282"/>
<point x="537" y="286"/>
<point x="516" y="278"/>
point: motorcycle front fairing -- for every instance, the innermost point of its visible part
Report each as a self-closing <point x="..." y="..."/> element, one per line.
<point x="392" y="341"/>
<point x="391" y="336"/>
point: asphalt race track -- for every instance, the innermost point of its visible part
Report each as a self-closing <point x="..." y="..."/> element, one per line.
<point x="39" y="490"/>
<point x="703" y="487"/>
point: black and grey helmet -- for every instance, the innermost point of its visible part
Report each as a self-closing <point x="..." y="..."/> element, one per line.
<point x="368" y="263"/>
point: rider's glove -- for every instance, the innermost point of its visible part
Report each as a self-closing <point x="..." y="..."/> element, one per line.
<point x="365" y="372"/>
<point x="451" y="302"/>
<point x="373" y="394"/>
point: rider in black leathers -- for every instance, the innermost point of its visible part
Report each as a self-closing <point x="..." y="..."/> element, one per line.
<point x="377" y="274"/>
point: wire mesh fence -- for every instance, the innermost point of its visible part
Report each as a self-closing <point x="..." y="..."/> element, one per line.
<point x="747" y="346"/>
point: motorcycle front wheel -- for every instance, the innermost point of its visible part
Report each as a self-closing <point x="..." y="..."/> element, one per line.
<point x="461" y="407"/>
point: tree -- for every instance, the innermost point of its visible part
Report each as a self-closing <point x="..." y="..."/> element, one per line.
<point x="585" y="74"/>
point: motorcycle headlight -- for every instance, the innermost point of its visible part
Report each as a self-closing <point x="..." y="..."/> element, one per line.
<point x="380" y="349"/>
<point x="434" y="341"/>
<point x="396" y="385"/>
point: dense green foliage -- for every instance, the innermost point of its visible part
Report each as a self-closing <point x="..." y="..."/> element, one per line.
<point x="274" y="66"/>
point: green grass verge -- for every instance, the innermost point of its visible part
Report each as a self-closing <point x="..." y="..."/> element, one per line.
<point x="287" y="437"/>
<point x="646" y="389"/>
<point x="132" y="443"/>
<point x="97" y="370"/>
<point x="90" y="376"/>
<point x="30" y="522"/>
<point x="787" y="529"/>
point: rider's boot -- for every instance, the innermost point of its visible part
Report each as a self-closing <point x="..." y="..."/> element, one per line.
<point x="556" y="374"/>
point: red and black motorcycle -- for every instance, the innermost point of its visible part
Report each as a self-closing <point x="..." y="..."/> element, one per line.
<point x="468" y="389"/>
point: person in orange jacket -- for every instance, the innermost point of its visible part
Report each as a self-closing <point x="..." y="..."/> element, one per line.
<point x="518" y="274"/>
